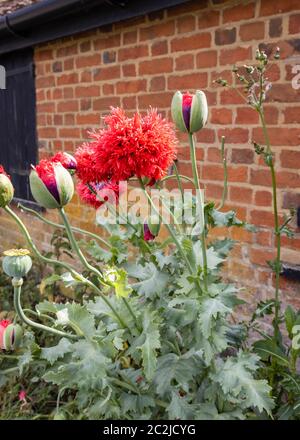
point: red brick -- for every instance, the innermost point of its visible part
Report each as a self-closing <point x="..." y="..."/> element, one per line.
<point x="260" y="177"/>
<point x="44" y="55"/>
<point x="186" y="24"/>
<point x="231" y="96"/>
<point x="47" y="132"/>
<point x="213" y="172"/>
<point x="278" y="136"/>
<point x="68" y="93"/>
<point x="241" y="195"/>
<point x="213" y="154"/>
<point x="208" y="19"/>
<point x="159" y="48"/>
<point x="294" y="24"/>
<point x="66" y="51"/>
<point x="242" y="155"/>
<point x="213" y="191"/>
<point x="132" y="86"/>
<point x="88" y="91"/>
<point x="206" y="135"/>
<point x="220" y="116"/>
<point x="225" y="36"/>
<point x="158" y="83"/>
<point x="160" y="100"/>
<point x="184" y="62"/>
<point x="290" y="159"/>
<point x="87" y="119"/>
<point x="133" y="52"/>
<point x="130" y="37"/>
<point x="152" y="67"/>
<point x="246" y="115"/>
<point x="206" y="59"/>
<point x="260" y="256"/>
<point x="196" y="41"/>
<point x="129" y="70"/>
<point x="252" y="31"/>
<point x="237" y="173"/>
<point x="107" y="73"/>
<point x="46" y="107"/>
<point x="234" y="135"/>
<point x="291" y="115"/>
<point x="271" y="115"/>
<point x="85" y="46"/>
<point x="67" y="78"/>
<point x="107" y="42"/>
<point x="69" y="132"/>
<point x="271" y="7"/>
<point x="103" y="104"/>
<point x="190" y="81"/>
<point x="238" y="13"/>
<point x="283" y="93"/>
<point x="263" y="198"/>
<point x="69" y="119"/>
<point x="45" y="81"/>
<point x="67" y="106"/>
<point x="157" y="31"/>
<point x="232" y="56"/>
<point x="263" y="238"/>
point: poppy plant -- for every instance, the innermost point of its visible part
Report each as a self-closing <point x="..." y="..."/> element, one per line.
<point x="6" y="188"/>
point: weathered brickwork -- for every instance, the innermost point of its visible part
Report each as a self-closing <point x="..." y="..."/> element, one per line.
<point x="142" y="62"/>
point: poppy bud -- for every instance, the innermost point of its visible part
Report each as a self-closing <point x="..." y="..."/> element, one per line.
<point x="10" y="335"/>
<point x="154" y="224"/>
<point x="6" y="189"/>
<point x="16" y="263"/>
<point x="189" y="112"/>
<point x="148" y="236"/>
<point x="51" y="184"/>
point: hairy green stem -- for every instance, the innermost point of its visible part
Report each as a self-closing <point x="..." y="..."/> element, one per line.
<point x="200" y="205"/>
<point x="276" y="226"/>
<point x="129" y="308"/>
<point x="17" y="284"/>
<point x="224" y="161"/>
<point x="59" y="226"/>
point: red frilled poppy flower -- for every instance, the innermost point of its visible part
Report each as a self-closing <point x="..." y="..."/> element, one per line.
<point x="142" y="146"/>
<point x="96" y="194"/>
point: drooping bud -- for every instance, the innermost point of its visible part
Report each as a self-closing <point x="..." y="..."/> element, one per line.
<point x="148" y="236"/>
<point x="189" y="112"/>
<point x="154" y="224"/>
<point x="51" y="184"/>
<point x="16" y="263"/>
<point x="10" y="335"/>
<point x="6" y="188"/>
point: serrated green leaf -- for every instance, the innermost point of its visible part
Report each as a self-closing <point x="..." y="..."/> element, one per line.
<point x="51" y="354"/>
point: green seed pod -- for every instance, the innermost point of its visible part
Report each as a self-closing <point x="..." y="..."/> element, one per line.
<point x="16" y="263"/>
<point x="12" y="337"/>
<point x="6" y="191"/>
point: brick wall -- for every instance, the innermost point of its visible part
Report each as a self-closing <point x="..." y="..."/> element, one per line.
<point x="143" y="61"/>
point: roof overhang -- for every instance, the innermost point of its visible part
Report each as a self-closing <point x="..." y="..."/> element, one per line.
<point x="51" y="19"/>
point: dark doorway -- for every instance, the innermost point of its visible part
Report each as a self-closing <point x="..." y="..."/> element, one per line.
<point x="18" y="140"/>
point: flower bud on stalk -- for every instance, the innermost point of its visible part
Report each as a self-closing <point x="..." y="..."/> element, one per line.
<point x="67" y="160"/>
<point x="10" y="335"/>
<point x="151" y="228"/>
<point x="51" y="184"/>
<point x="6" y="189"/>
<point x="16" y="263"/>
<point x="189" y="112"/>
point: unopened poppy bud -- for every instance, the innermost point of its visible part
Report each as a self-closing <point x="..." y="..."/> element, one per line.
<point x="16" y="263"/>
<point x="189" y="112"/>
<point x="6" y="189"/>
<point x="51" y="184"/>
<point x="154" y="224"/>
<point x="10" y="335"/>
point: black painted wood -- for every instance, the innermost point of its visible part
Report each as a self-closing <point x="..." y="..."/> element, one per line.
<point x="18" y="140"/>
